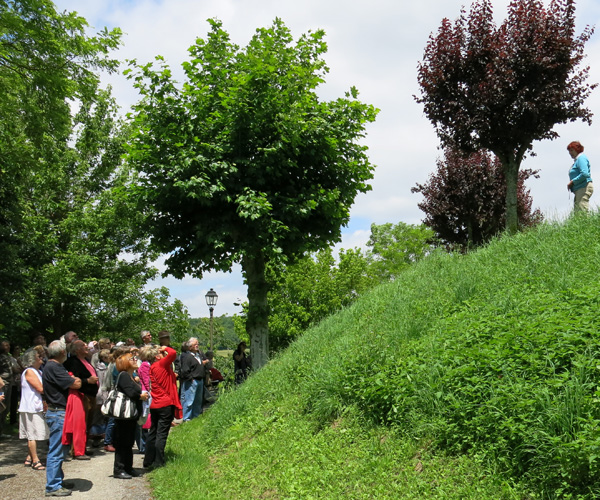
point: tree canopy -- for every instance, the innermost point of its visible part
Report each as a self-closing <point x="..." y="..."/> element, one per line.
<point x="243" y="162"/>
<point x="500" y="88"/>
<point x="312" y="288"/>
<point x="65" y="222"/>
<point x="396" y="246"/>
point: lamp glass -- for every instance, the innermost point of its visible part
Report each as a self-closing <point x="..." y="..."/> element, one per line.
<point x="211" y="298"/>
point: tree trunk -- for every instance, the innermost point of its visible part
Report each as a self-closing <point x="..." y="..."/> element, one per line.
<point x="511" y="174"/>
<point x="257" y="321"/>
<point x="470" y="239"/>
<point x="57" y="321"/>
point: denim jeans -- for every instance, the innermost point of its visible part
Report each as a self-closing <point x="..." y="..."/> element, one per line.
<point x="56" y="451"/>
<point x="192" y="395"/>
<point x="108" y="433"/>
<point x="140" y="438"/>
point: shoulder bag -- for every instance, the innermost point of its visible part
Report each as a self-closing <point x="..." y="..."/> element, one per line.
<point x="118" y="405"/>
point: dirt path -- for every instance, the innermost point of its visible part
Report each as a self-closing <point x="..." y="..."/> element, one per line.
<point x="92" y="478"/>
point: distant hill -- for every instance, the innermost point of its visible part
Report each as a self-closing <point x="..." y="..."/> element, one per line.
<point x="224" y="332"/>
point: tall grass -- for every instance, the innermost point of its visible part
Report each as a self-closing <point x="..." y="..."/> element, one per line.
<point x="468" y="377"/>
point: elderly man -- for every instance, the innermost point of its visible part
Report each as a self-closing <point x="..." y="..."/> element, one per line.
<point x="146" y="338"/>
<point x="68" y="338"/>
<point x="192" y="374"/>
<point x="57" y="382"/>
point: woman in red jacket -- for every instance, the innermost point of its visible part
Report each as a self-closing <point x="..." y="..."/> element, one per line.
<point x="165" y="404"/>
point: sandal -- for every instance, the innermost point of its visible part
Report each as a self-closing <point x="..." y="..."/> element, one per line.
<point x="38" y="466"/>
<point x="27" y="462"/>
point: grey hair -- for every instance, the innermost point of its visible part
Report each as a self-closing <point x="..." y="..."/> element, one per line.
<point x="56" y="349"/>
<point x="149" y="353"/>
<point x="191" y="339"/>
<point x="29" y="357"/>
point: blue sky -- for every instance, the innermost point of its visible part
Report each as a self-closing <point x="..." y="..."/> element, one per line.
<point x="374" y="45"/>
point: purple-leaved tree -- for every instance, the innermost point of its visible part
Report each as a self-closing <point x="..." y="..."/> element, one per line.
<point x="464" y="200"/>
<point x="500" y="88"/>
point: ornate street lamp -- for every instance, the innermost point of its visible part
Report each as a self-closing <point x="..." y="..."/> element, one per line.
<point x="211" y="301"/>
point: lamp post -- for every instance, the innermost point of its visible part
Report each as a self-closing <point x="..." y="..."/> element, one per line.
<point x="211" y="301"/>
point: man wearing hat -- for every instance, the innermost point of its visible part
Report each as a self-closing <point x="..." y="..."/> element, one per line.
<point x="164" y="338"/>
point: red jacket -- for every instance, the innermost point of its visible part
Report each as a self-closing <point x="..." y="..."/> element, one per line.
<point x="163" y="383"/>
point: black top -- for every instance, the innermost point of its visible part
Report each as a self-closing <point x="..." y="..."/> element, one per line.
<point x="130" y="388"/>
<point x="56" y="381"/>
<point x="243" y="363"/>
<point x="78" y="369"/>
<point x="191" y="367"/>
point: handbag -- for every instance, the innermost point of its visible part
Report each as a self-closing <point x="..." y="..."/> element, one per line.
<point x="119" y="406"/>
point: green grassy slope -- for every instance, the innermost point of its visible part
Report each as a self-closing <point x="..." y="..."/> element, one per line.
<point x="470" y="377"/>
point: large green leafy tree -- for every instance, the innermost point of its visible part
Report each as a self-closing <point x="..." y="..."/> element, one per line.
<point x="65" y="221"/>
<point x="243" y="162"/>
<point x="46" y="61"/>
<point x="502" y="88"/>
<point x="79" y="226"/>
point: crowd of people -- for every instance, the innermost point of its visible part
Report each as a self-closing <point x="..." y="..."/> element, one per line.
<point x="56" y="393"/>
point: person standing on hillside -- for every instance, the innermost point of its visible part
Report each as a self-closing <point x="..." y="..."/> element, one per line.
<point x="56" y="383"/>
<point x="580" y="178"/>
<point x="241" y="363"/>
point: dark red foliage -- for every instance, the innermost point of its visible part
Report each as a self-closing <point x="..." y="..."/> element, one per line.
<point x="500" y="88"/>
<point x="464" y="201"/>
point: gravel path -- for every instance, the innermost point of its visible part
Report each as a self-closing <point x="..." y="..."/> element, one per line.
<point x="92" y="478"/>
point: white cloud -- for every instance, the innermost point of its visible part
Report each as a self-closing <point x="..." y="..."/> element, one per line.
<point x="374" y="45"/>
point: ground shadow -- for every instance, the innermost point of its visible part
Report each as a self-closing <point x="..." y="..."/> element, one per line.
<point x="80" y="484"/>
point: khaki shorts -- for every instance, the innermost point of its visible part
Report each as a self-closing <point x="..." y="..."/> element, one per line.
<point x="33" y="427"/>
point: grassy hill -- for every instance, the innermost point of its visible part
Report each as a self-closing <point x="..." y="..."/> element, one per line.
<point x="470" y="377"/>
